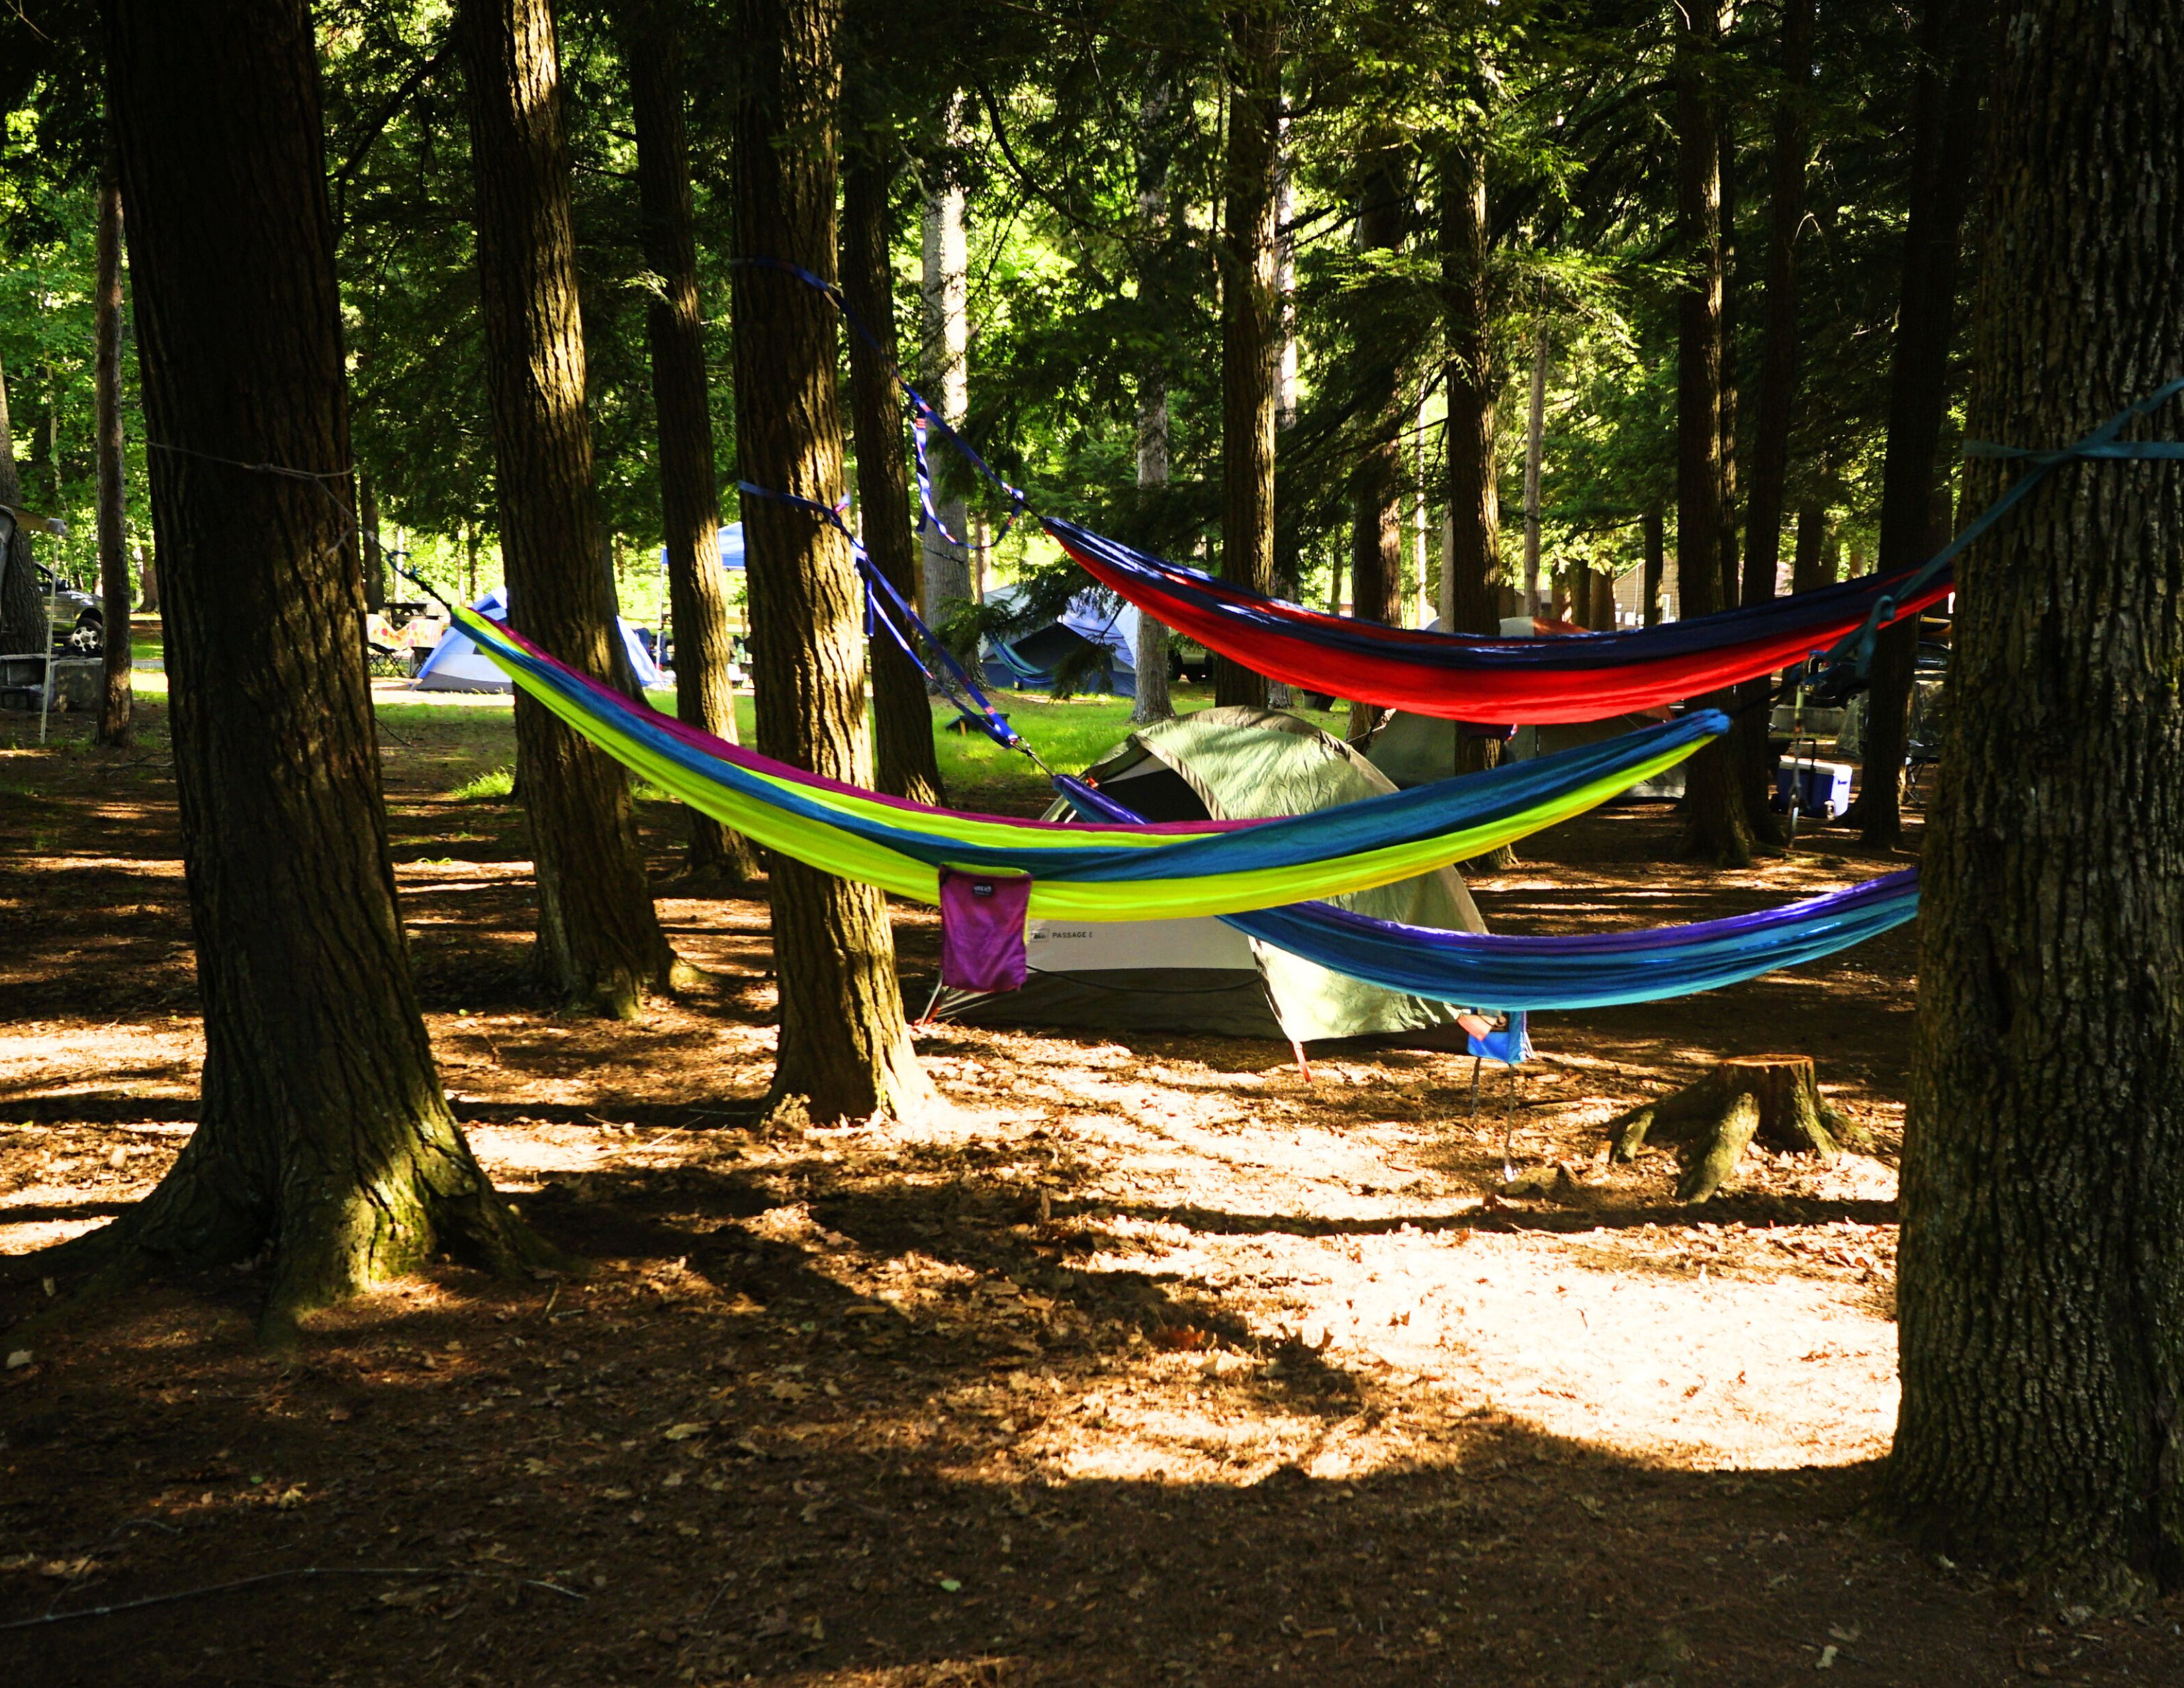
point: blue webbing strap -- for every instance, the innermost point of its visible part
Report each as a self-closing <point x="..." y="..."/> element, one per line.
<point x="921" y="411"/>
<point x="884" y="603"/>
<point x="1845" y="666"/>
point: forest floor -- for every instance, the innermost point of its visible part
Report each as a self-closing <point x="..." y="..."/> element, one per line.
<point x="1154" y="1362"/>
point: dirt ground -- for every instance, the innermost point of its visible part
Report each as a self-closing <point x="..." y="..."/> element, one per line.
<point x="1155" y="1362"/>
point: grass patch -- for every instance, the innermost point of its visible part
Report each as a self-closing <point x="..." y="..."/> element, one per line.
<point x="489" y="787"/>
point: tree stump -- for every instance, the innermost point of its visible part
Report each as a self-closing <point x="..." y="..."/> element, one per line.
<point x="1774" y="1098"/>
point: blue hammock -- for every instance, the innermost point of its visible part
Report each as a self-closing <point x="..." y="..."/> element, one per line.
<point x="1490" y="971"/>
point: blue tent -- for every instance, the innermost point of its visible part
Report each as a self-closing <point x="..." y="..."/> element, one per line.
<point x="456" y="665"/>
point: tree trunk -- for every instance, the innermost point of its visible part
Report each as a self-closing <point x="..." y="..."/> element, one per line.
<point x="116" y="695"/>
<point x="1777" y="404"/>
<point x="844" y="1052"/>
<point x="1725" y="119"/>
<point x="2042" y="1286"/>
<point x="1471" y="586"/>
<point x="23" y="629"/>
<point x="1250" y="320"/>
<point x="1376" y="515"/>
<point x="1716" y="828"/>
<point x="1812" y="565"/>
<point x="1952" y="76"/>
<point x="902" y="708"/>
<point x="1156" y="143"/>
<point x="675" y="338"/>
<point x="1653" y="538"/>
<point x="323" y="1135"/>
<point x="1535" y="450"/>
<point x="944" y="369"/>
<point x="1153" y="702"/>
<point x="600" y="943"/>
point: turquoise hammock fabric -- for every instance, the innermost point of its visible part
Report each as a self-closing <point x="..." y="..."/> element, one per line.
<point x="1495" y="973"/>
<point x="1111" y="872"/>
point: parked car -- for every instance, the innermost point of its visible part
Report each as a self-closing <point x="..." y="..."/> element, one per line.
<point x="78" y="619"/>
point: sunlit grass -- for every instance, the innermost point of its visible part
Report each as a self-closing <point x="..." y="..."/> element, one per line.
<point x="490" y="787"/>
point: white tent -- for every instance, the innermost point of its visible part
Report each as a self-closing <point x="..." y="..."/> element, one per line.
<point x="457" y="665"/>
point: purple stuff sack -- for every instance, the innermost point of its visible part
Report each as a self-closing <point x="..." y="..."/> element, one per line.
<point x="982" y="929"/>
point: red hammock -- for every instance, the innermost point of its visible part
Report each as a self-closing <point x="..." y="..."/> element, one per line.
<point x="1462" y="676"/>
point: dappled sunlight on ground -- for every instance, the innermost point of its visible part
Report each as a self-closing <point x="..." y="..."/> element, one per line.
<point x="1144" y="1360"/>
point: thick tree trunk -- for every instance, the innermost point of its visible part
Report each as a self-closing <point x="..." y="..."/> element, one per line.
<point x="675" y="338"/>
<point x="2042" y="1286"/>
<point x="844" y="1052"/>
<point x="1952" y="74"/>
<point x="902" y="709"/>
<point x="1376" y="514"/>
<point x="23" y="630"/>
<point x="115" y="695"/>
<point x="1716" y="828"/>
<point x="150" y="606"/>
<point x="1777" y="404"/>
<point x="324" y="1135"/>
<point x="1471" y="589"/>
<point x="944" y="365"/>
<point x="1250" y="318"/>
<point x="599" y="943"/>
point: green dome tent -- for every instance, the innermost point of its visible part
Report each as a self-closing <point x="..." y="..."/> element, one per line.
<point x="1199" y="976"/>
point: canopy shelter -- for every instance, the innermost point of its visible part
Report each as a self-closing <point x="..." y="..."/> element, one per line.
<point x="1582" y="676"/>
<point x="1128" y="871"/>
<point x="732" y="547"/>
<point x="457" y="665"/>
<point x="1201" y="976"/>
<point x="1093" y="643"/>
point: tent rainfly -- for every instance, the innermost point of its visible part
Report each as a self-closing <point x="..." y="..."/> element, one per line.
<point x="456" y="664"/>
<point x="1032" y="661"/>
<point x="1199" y="976"/>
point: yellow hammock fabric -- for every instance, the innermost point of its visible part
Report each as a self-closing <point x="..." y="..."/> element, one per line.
<point x="1092" y="872"/>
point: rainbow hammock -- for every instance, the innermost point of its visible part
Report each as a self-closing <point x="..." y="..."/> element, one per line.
<point x="1163" y="872"/>
<point x="1499" y="973"/>
<point x="1579" y="676"/>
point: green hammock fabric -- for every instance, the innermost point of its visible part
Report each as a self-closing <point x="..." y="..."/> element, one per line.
<point x="1094" y="872"/>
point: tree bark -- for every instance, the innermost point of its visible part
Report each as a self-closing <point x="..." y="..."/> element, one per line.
<point x="115" y="694"/>
<point x="324" y="1136"/>
<point x="23" y="629"/>
<point x="1153" y="702"/>
<point x="1535" y="449"/>
<point x="675" y="339"/>
<point x="1250" y="318"/>
<point x="1653" y="538"/>
<point x="1376" y="516"/>
<point x="1473" y="588"/>
<point x="1725" y="119"/>
<point x="1774" y="1098"/>
<point x="1777" y="403"/>
<point x="1716" y="828"/>
<point x="844" y="1052"/>
<point x="1811" y="564"/>
<point x="599" y="943"/>
<point x="1155" y="232"/>
<point x="2041" y="1287"/>
<point x="945" y="370"/>
<point x="902" y="709"/>
<point x="1952" y="75"/>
